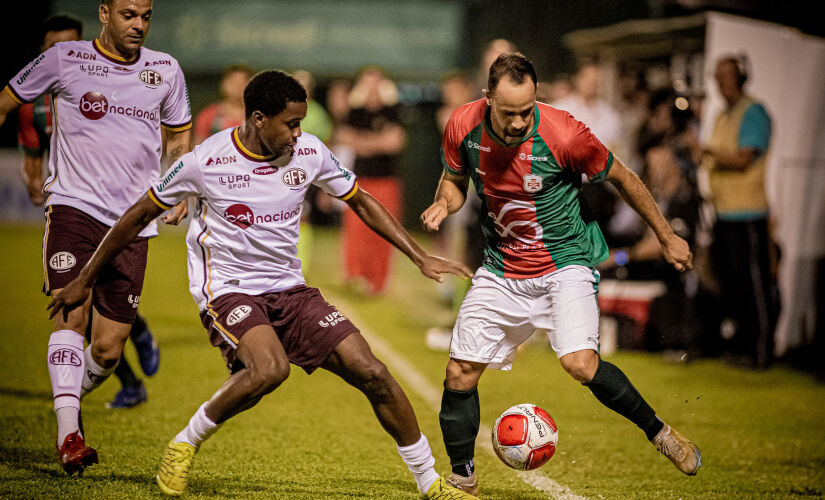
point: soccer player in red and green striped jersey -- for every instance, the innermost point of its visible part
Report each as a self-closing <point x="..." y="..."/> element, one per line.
<point x="526" y="160"/>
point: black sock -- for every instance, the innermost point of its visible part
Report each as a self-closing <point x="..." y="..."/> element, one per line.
<point x="613" y="389"/>
<point x="124" y="373"/>
<point x="460" y="418"/>
<point x="138" y="327"/>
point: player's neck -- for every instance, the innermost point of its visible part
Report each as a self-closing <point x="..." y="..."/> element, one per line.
<point x="106" y="44"/>
<point x="248" y="138"/>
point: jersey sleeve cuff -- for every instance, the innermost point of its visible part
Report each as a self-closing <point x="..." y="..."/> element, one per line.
<point x="177" y="128"/>
<point x="15" y="97"/>
<point x="349" y="194"/>
<point x="601" y="176"/>
<point x="156" y="200"/>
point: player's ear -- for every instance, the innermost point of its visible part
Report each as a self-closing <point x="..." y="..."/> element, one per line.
<point x="257" y="119"/>
<point x="488" y="96"/>
<point x="103" y="13"/>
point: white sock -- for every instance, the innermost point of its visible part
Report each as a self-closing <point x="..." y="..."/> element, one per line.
<point x="94" y="374"/>
<point x="65" y="363"/>
<point x="199" y="429"/>
<point x="420" y="461"/>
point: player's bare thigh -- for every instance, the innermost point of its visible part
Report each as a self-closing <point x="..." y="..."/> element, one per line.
<point x="581" y="365"/>
<point x="463" y="375"/>
<point x="76" y="320"/>
<point x="108" y="338"/>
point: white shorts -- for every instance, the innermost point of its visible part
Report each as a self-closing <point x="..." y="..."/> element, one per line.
<point x="499" y="314"/>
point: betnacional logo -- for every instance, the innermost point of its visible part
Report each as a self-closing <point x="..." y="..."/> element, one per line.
<point x="150" y="77"/>
<point x="243" y="217"/>
<point x="238" y="314"/>
<point x="264" y="170"/>
<point x="221" y="160"/>
<point x="94" y="106"/>
<point x="240" y="215"/>
<point x="294" y="177"/>
<point x="62" y="261"/>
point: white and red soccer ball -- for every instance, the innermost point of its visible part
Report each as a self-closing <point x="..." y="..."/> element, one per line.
<point x="525" y="437"/>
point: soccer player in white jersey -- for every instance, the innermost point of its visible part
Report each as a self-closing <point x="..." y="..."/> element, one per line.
<point x="114" y="104"/>
<point x="244" y="274"/>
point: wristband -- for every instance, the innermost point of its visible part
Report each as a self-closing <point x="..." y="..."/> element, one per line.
<point x="620" y="257"/>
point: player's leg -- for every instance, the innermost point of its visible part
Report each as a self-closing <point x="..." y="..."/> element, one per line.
<point x="571" y="317"/>
<point x="260" y="365"/>
<point x="66" y="368"/>
<point x="147" y="349"/>
<point x="492" y="322"/>
<point x="354" y="362"/>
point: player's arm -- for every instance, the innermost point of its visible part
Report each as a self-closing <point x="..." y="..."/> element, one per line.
<point x="449" y="198"/>
<point x="176" y="144"/>
<point x="374" y="215"/>
<point x="738" y="159"/>
<point x="137" y="217"/>
<point x="33" y="178"/>
<point x="7" y="104"/>
<point x="676" y="250"/>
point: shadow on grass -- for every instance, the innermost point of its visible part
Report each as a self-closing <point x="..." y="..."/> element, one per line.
<point x="26" y="393"/>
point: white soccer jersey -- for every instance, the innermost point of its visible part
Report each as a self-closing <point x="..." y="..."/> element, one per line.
<point x="106" y="144"/>
<point x="243" y="237"/>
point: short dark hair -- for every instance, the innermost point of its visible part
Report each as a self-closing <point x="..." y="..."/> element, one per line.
<point x="60" y="23"/>
<point x="270" y="90"/>
<point x="514" y="65"/>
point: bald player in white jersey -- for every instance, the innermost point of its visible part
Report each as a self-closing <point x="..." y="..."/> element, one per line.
<point x="250" y="183"/>
<point x="115" y="104"/>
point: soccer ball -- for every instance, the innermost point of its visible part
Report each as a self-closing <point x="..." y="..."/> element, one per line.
<point x="525" y="437"/>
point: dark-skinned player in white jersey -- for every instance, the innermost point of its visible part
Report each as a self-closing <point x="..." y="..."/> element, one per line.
<point x="249" y="183"/>
<point x="526" y="160"/>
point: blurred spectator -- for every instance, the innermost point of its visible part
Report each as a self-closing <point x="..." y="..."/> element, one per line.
<point x="670" y="174"/>
<point x="556" y="89"/>
<point x="632" y="106"/>
<point x="493" y="49"/>
<point x="317" y="122"/>
<point x="586" y="104"/>
<point x="229" y="111"/>
<point x="735" y="160"/>
<point x="375" y="134"/>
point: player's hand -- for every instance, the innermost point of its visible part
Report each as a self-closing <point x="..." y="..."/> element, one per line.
<point x="432" y="217"/>
<point x="433" y="267"/>
<point x="177" y="214"/>
<point x="677" y="253"/>
<point x="35" y="190"/>
<point x="68" y="299"/>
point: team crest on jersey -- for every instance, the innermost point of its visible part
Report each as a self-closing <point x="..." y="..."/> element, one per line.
<point x="532" y="183"/>
<point x="238" y="314"/>
<point x="294" y="177"/>
<point x="150" y="77"/>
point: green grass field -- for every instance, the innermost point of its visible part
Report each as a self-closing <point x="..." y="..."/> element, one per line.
<point x="761" y="433"/>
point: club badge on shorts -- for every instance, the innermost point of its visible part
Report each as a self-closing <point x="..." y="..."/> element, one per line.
<point x="532" y="183"/>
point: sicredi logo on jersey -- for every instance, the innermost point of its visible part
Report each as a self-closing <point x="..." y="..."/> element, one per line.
<point x="94" y="106"/>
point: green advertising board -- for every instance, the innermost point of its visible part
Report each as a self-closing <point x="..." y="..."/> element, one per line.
<point x="414" y="39"/>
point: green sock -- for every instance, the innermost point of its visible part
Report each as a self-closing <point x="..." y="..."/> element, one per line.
<point x="460" y="418"/>
<point x="613" y="389"/>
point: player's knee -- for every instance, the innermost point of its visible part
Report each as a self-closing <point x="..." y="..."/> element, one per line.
<point x="374" y="379"/>
<point x="106" y="351"/>
<point x="580" y="367"/>
<point x="462" y="375"/>
<point x="270" y="375"/>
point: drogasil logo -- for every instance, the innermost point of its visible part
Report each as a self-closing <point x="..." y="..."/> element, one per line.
<point x="94" y="105"/>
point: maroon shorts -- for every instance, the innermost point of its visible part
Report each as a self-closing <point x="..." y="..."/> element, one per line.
<point x="70" y="240"/>
<point x="308" y="326"/>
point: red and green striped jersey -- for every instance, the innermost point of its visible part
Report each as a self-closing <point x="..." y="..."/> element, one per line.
<point x="530" y="192"/>
<point x="35" y="127"/>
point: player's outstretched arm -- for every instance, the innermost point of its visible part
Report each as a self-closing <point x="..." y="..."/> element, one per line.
<point x="374" y="215"/>
<point x="449" y="197"/>
<point x="122" y="233"/>
<point x="7" y="105"/>
<point x="176" y="143"/>
<point x="676" y="250"/>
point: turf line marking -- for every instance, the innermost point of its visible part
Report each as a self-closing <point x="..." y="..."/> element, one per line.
<point x="432" y="395"/>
